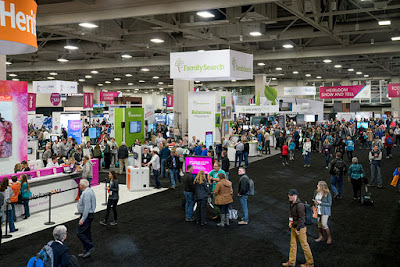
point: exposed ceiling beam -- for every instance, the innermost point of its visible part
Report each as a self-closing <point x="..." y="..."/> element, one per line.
<point x="373" y="61"/>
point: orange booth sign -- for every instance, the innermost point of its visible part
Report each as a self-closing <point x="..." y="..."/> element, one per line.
<point x="17" y="27"/>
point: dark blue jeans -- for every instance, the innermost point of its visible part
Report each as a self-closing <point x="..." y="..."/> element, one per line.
<point x="84" y="232"/>
<point x="238" y="156"/>
<point x="336" y="184"/>
<point x="327" y="159"/>
<point x="246" y="159"/>
<point x="189" y="196"/>
<point x="174" y="173"/>
<point x="10" y="219"/>
<point x="26" y="206"/>
<point x="163" y="172"/>
<point x="243" y="204"/>
<point x="158" y="183"/>
<point x="13" y="211"/>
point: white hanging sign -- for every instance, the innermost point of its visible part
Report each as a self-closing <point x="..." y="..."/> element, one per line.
<point x="49" y="87"/>
<point x="300" y="90"/>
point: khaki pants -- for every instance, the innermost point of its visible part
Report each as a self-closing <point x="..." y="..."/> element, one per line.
<point x="122" y="163"/>
<point x="302" y="237"/>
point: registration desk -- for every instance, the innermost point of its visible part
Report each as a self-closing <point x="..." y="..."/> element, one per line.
<point x="52" y="180"/>
<point x="252" y="151"/>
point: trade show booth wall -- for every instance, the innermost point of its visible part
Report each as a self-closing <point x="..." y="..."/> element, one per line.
<point x="128" y="125"/>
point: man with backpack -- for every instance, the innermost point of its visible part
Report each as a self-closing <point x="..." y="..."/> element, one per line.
<point x="337" y="170"/>
<point x="297" y="225"/>
<point x="246" y="188"/>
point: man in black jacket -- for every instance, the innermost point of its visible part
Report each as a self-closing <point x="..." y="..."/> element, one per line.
<point x="225" y="164"/>
<point x="61" y="255"/>
<point x="173" y="167"/>
<point x="337" y="170"/>
<point x="189" y="193"/>
<point x="123" y="157"/>
<point x="146" y="157"/>
<point x="298" y="228"/>
<point x="244" y="187"/>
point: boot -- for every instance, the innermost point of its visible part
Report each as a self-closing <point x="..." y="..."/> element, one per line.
<point x="222" y="223"/>
<point x="321" y="235"/>
<point x="227" y="219"/>
<point x="328" y="234"/>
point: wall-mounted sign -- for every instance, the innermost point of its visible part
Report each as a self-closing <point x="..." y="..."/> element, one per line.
<point x="300" y="90"/>
<point x="55" y="99"/>
<point x="352" y="91"/>
<point x="216" y="65"/>
<point x="48" y="87"/>
<point x="18" y="27"/>
<point x="31" y="102"/>
<point x="257" y="109"/>
<point x="164" y="101"/>
<point x="394" y="89"/>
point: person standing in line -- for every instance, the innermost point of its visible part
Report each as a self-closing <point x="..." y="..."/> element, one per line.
<point x="375" y="157"/>
<point x="189" y="193"/>
<point x="164" y="154"/>
<point x="113" y="197"/>
<point x="155" y="163"/>
<point x="285" y="149"/>
<point x="213" y="180"/>
<point x="356" y="175"/>
<point x="1" y="214"/>
<point x="26" y="194"/>
<point x="97" y="154"/>
<point x="87" y="170"/>
<point x="298" y="229"/>
<point x="223" y="197"/>
<point x="239" y="147"/>
<point x="349" y="148"/>
<point x="46" y="154"/>
<point x="267" y="141"/>
<point x="123" y="155"/>
<point x="107" y="153"/>
<point x="323" y="201"/>
<point x="173" y="167"/>
<point x="327" y="149"/>
<point x="337" y="171"/>
<point x="246" y="151"/>
<point x="225" y="165"/>
<point x="307" y="152"/>
<point x="202" y="190"/>
<point x="244" y="187"/>
<point x="114" y="152"/>
<point x="16" y="187"/>
<point x="86" y="207"/>
<point x="7" y="193"/>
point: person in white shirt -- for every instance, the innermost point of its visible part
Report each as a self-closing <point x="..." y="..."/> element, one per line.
<point x="192" y="142"/>
<point x="53" y="162"/>
<point x="155" y="163"/>
<point x="159" y="140"/>
<point x="56" y="147"/>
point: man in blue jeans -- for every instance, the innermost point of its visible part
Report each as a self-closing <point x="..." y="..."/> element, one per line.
<point x="173" y="167"/>
<point x="189" y="193"/>
<point x="164" y="154"/>
<point x="239" y="153"/>
<point x="244" y="187"/>
<point x="337" y="171"/>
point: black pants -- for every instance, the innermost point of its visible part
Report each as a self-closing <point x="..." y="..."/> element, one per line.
<point x="107" y="160"/>
<point x="267" y="147"/>
<point x="1" y="233"/>
<point x="201" y="210"/>
<point x="99" y="158"/>
<point x="84" y="232"/>
<point x="356" y="187"/>
<point x="350" y="155"/>
<point x="111" y="203"/>
<point x="224" y="209"/>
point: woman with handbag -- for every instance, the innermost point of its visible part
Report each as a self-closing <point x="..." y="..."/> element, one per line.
<point x="223" y="197"/>
<point x="26" y="194"/>
<point x="322" y="206"/>
<point x="356" y="176"/>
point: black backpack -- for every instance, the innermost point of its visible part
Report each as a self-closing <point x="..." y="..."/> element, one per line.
<point x="339" y="167"/>
<point x="309" y="213"/>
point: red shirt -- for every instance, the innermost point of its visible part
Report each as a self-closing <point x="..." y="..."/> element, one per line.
<point x="285" y="150"/>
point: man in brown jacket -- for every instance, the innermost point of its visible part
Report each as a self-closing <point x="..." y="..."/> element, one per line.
<point x="223" y="197"/>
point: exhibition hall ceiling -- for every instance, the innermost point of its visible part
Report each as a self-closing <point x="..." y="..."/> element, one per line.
<point x="127" y="43"/>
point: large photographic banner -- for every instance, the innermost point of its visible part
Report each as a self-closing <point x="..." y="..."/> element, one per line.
<point x="394" y="89"/>
<point x="352" y="91"/>
<point x="13" y="125"/>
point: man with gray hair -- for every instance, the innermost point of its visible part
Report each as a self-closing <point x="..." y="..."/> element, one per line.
<point x="86" y="207"/>
<point x="60" y="250"/>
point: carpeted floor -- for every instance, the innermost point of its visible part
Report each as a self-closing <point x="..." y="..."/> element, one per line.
<point x="152" y="230"/>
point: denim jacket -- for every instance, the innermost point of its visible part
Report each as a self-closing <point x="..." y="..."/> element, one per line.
<point x="326" y="203"/>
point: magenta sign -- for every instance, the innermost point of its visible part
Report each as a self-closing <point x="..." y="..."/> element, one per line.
<point x="170" y="101"/>
<point x="31" y="102"/>
<point x="199" y="164"/>
<point x="334" y="92"/>
<point x="55" y="99"/>
<point x="87" y="100"/>
<point x="394" y="89"/>
<point x="108" y="96"/>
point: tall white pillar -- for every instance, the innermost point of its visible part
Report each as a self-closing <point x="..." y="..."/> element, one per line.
<point x="3" y="71"/>
<point x="395" y="100"/>
<point x="260" y="82"/>
<point x="181" y="90"/>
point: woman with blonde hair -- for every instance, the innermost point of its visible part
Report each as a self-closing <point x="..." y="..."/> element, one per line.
<point x="202" y="190"/>
<point x="323" y="201"/>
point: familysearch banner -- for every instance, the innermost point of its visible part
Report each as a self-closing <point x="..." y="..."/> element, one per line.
<point x="215" y="65"/>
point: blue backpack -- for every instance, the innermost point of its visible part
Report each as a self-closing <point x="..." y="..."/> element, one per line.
<point x="389" y="141"/>
<point x="44" y="258"/>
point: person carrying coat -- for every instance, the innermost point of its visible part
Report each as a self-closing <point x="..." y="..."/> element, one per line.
<point x="223" y="197"/>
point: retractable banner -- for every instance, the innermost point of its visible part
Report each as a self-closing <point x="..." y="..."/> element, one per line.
<point x="170" y="101"/>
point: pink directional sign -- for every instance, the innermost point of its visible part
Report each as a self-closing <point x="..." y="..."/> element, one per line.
<point x="334" y="92"/>
<point x="55" y="99"/>
<point x="31" y="102"/>
<point x="394" y="89"/>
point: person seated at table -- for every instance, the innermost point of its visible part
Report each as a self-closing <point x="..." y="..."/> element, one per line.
<point x="53" y="162"/>
<point x="17" y="168"/>
<point x="24" y="166"/>
<point x="72" y="163"/>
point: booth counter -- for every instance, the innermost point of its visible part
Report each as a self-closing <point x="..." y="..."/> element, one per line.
<point x="44" y="181"/>
<point x="252" y="151"/>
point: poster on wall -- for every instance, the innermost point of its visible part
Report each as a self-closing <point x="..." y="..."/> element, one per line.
<point x="170" y="101"/>
<point x="223" y="113"/>
<point x="75" y="130"/>
<point x="226" y="128"/>
<point x="218" y="107"/>
<point x="209" y="139"/>
<point x="228" y="113"/>
<point x="5" y="126"/>
<point x="217" y="120"/>
<point x="223" y="101"/>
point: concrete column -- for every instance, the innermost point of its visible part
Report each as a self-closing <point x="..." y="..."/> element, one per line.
<point x="181" y="90"/>
<point x="3" y="72"/>
<point x="395" y="100"/>
<point x="260" y="82"/>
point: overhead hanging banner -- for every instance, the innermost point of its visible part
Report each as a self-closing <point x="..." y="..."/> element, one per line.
<point x="394" y="89"/>
<point x="109" y="96"/>
<point x="31" y="102"/>
<point x="18" y="27"/>
<point x="49" y="87"/>
<point x="87" y="100"/>
<point x="216" y="65"/>
<point x="170" y="101"/>
<point x="352" y="91"/>
<point x="300" y="90"/>
<point x="257" y="109"/>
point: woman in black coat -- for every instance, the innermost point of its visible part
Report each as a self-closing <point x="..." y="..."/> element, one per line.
<point x="113" y="198"/>
<point x="201" y="190"/>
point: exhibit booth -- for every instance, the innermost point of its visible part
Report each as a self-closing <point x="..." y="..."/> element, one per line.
<point x="128" y="125"/>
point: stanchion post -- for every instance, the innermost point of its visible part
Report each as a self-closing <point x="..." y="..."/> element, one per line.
<point x="105" y="190"/>
<point x="7" y="235"/>
<point x="49" y="222"/>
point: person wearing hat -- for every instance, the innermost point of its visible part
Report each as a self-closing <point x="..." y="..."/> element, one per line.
<point x="298" y="228"/>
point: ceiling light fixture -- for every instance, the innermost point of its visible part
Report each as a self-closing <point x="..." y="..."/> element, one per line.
<point x="201" y="50"/>
<point x="81" y="80"/>
<point x="338" y="66"/>
<point x="308" y="75"/>
<point x="396" y="38"/>
<point x="287" y="46"/>
<point x="384" y="22"/>
<point x="137" y="89"/>
<point x="141" y="81"/>
<point x="145" y="69"/>
<point x="8" y="63"/>
<point x="128" y="75"/>
<point x="12" y="75"/>
<point x="157" y="40"/>
<point x="50" y="78"/>
<point x="274" y="79"/>
<point x="15" y="80"/>
<point x="358" y="72"/>
<point x="126" y="56"/>
<point x="318" y="77"/>
<point x="255" y="33"/>
<point x="233" y="81"/>
<point x="261" y="64"/>
<point x="278" y="68"/>
<point x="88" y="25"/>
<point x="295" y="72"/>
<point x="53" y="73"/>
<point x="62" y="60"/>
<point x="99" y="84"/>
<point x="156" y="77"/>
<point x="160" y="83"/>
<point x="88" y="76"/>
<point x="366" y="75"/>
<point x="94" y="72"/>
<point x="130" y="83"/>
<point x="205" y="14"/>
<point x="107" y="82"/>
<point x="350" y="69"/>
<point x="117" y="79"/>
<point x="327" y="61"/>
<point x="71" y="47"/>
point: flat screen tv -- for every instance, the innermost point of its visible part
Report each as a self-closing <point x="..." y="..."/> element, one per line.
<point x="93" y="133"/>
<point x="135" y="127"/>
<point x="365" y="125"/>
<point x="199" y="164"/>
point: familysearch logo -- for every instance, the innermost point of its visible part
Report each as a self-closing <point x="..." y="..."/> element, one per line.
<point x="179" y="64"/>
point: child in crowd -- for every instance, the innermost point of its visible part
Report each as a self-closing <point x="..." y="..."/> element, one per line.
<point x="292" y="147"/>
<point x="285" y="150"/>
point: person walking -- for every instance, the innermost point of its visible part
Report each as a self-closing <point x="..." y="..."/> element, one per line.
<point x="375" y="157"/>
<point x="388" y="142"/>
<point x="113" y="197"/>
<point x="239" y="147"/>
<point x="107" y="154"/>
<point x="173" y="167"/>
<point x="267" y="141"/>
<point x="292" y="147"/>
<point x="307" y="152"/>
<point x="223" y="197"/>
<point x="26" y="194"/>
<point x="86" y="209"/>
<point x="7" y="193"/>
<point x="114" y="152"/>
<point x="97" y="154"/>
<point x="356" y="175"/>
<point x="164" y="154"/>
<point x="244" y="188"/>
<point x="155" y="164"/>
<point x="87" y="170"/>
<point x="225" y="164"/>
<point x="327" y="149"/>
<point x="285" y="151"/>
<point x="246" y="152"/>
<point x="123" y="155"/>
<point x="323" y="201"/>
<point x="189" y="193"/>
<point x="337" y="170"/>
<point x="298" y="230"/>
<point x="202" y="190"/>
<point x="349" y="148"/>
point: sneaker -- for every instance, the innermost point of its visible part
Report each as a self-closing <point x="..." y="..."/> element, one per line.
<point x="287" y="163"/>
<point x="113" y="223"/>
<point x="370" y="185"/>
<point x="380" y="186"/>
<point x="103" y="222"/>
<point x="326" y="167"/>
<point x="243" y="223"/>
<point x="189" y="220"/>
<point x="283" y="164"/>
<point x="288" y="264"/>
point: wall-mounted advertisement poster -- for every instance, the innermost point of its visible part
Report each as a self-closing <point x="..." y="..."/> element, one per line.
<point x="228" y="112"/>
<point x="223" y="101"/>
<point x="223" y="113"/>
<point x="217" y="120"/>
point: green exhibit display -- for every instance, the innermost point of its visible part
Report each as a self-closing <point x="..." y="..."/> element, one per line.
<point x="118" y="130"/>
<point x="134" y="125"/>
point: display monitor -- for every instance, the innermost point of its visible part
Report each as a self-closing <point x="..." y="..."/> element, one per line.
<point x="199" y="164"/>
<point x="53" y="138"/>
<point x="135" y="127"/>
<point x="29" y="150"/>
<point x="151" y="126"/>
<point x="245" y="127"/>
<point x="93" y="133"/>
<point x="309" y="118"/>
<point x="209" y="139"/>
<point x="363" y="124"/>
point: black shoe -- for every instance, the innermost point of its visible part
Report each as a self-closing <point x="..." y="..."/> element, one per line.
<point x="15" y="230"/>
<point x="89" y="253"/>
<point x="370" y="185"/>
<point x="103" y="222"/>
<point x="81" y="254"/>
<point x="113" y="223"/>
<point x="380" y="186"/>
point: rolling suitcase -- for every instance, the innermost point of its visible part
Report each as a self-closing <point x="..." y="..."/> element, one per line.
<point x="366" y="197"/>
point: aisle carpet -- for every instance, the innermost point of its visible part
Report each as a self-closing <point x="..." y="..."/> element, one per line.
<point x="152" y="230"/>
